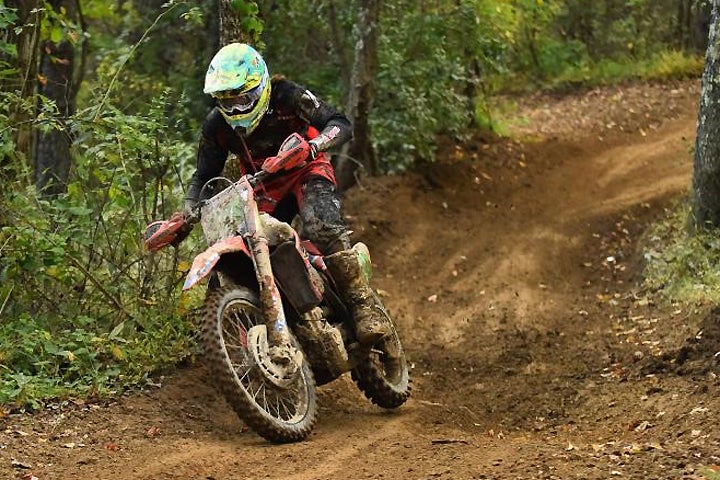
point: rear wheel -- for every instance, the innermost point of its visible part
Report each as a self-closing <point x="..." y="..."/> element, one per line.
<point x="383" y="375"/>
<point x="280" y="414"/>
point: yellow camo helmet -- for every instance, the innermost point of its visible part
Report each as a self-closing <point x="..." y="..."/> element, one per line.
<point x="239" y="81"/>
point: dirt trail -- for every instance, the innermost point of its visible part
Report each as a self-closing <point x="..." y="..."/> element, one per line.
<point x="511" y="270"/>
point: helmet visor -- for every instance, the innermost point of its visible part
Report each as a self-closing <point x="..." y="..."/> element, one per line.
<point x="232" y="101"/>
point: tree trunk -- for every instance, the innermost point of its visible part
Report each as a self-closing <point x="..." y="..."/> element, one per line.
<point x="360" y="98"/>
<point x="56" y="82"/>
<point x="683" y="23"/>
<point x="703" y="9"/>
<point x="26" y="41"/>
<point x="532" y="48"/>
<point x="213" y="29"/>
<point x="706" y="173"/>
<point x="230" y="25"/>
<point x="474" y="75"/>
<point x="339" y="42"/>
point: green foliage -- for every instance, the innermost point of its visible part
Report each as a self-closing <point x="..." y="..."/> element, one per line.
<point x="574" y="43"/>
<point x="39" y="363"/>
<point x="8" y="51"/>
<point x="673" y="64"/>
<point x="104" y="313"/>
<point x="57" y="27"/>
<point x="421" y="101"/>
<point x="440" y="63"/>
<point x="84" y="309"/>
<point x="308" y="52"/>
<point x="682" y="267"/>
<point x="426" y="67"/>
<point x="248" y="11"/>
<point x="153" y="50"/>
<point x="668" y="65"/>
<point x="498" y="114"/>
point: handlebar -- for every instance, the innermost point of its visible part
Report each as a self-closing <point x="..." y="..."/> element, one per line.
<point x="258" y="177"/>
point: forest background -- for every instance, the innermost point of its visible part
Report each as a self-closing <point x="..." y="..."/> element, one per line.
<point x="100" y="108"/>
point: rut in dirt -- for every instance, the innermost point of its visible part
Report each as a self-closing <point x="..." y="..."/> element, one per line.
<point x="491" y="278"/>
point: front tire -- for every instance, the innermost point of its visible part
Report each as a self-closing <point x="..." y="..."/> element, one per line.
<point x="277" y="414"/>
<point x="383" y="375"/>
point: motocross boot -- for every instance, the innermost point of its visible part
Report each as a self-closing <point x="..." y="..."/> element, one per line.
<point x="345" y="268"/>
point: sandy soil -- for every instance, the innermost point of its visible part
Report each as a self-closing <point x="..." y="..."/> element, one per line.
<point x="512" y="268"/>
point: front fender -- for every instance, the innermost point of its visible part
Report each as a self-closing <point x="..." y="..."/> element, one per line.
<point x="204" y="263"/>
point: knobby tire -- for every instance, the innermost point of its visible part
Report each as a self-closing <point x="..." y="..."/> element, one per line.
<point x="383" y="380"/>
<point x="222" y="306"/>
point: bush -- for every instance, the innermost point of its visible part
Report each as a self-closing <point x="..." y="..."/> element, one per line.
<point x="681" y="267"/>
<point x="664" y="66"/>
<point x="85" y="310"/>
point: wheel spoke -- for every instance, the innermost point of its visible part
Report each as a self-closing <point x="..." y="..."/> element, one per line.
<point x="244" y="319"/>
<point x="277" y="404"/>
<point x="242" y="367"/>
<point x="255" y="394"/>
<point x="247" y="372"/>
<point x="236" y="322"/>
<point x="285" y="407"/>
<point x="264" y="395"/>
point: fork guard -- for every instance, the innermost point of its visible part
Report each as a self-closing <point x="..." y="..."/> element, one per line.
<point x="204" y="263"/>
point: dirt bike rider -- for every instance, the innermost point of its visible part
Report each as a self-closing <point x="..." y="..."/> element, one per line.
<point x="253" y="116"/>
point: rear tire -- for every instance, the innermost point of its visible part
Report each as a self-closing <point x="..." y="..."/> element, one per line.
<point x="279" y="415"/>
<point x="383" y="375"/>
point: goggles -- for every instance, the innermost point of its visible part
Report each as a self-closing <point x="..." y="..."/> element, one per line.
<point x="232" y="100"/>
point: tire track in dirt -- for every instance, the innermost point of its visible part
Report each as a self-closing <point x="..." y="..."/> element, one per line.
<point x="231" y="459"/>
<point x="633" y="174"/>
<point x="511" y="247"/>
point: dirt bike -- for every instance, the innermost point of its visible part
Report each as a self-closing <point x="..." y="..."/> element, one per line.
<point x="274" y="326"/>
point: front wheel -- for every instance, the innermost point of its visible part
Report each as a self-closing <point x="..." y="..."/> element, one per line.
<point x="279" y="414"/>
<point x="383" y="375"/>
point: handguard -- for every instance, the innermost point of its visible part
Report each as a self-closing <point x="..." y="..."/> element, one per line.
<point x="165" y="232"/>
<point x="293" y="152"/>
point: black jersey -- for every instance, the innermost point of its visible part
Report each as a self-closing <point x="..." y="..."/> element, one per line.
<point x="292" y="109"/>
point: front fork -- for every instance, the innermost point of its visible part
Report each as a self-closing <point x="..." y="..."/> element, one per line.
<point x="278" y="333"/>
<point x="253" y="231"/>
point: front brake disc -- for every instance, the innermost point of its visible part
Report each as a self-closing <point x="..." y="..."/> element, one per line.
<point x="279" y="364"/>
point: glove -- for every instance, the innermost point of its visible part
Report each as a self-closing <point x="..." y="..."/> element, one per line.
<point x="190" y="211"/>
<point x="184" y="229"/>
<point x="189" y="217"/>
